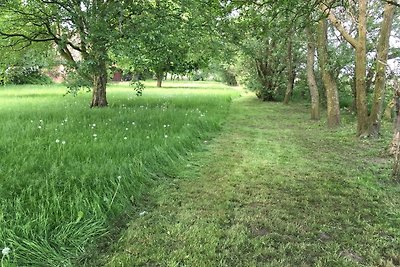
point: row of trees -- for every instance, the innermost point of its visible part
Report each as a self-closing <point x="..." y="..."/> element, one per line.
<point x="91" y="35"/>
<point x="272" y="44"/>
<point x="279" y="40"/>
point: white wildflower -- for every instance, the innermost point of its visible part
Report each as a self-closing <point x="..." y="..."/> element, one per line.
<point x="94" y="135"/>
<point x="125" y="138"/>
<point x="63" y="142"/>
<point x="57" y="141"/>
<point x="40" y="127"/>
<point x="143" y="213"/>
<point x="5" y="251"/>
<point x="166" y="136"/>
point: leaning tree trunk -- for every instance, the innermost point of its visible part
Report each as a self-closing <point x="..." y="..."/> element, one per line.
<point x="312" y="84"/>
<point x="99" y="97"/>
<point x="332" y="95"/>
<point x="359" y="44"/>
<point x="381" y="60"/>
<point x="290" y="72"/>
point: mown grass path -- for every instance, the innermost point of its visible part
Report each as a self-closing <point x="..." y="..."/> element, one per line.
<point x="274" y="189"/>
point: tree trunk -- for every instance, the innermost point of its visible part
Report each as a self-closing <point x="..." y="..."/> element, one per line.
<point x="332" y="95"/>
<point x="361" y="70"/>
<point x="99" y="98"/>
<point x="159" y="76"/>
<point x="312" y="84"/>
<point x="290" y="72"/>
<point x="395" y="146"/>
<point x="381" y="60"/>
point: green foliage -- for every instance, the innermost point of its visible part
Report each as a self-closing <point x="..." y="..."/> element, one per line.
<point x="225" y="73"/>
<point x="26" y="65"/>
<point x="175" y="37"/>
<point x="81" y="31"/>
<point x="72" y="174"/>
<point x="138" y="86"/>
<point x="22" y="75"/>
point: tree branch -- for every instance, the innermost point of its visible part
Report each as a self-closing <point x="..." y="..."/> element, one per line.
<point x="392" y="2"/>
<point x="26" y="37"/>
<point x="338" y="25"/>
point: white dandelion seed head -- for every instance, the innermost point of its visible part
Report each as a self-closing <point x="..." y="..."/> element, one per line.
<point x="5" y="251"/>
<point x="40" y="127"/>
<point x="94" y="124"/>
<point x="166" y="136"/>
<point x="125" y="138"/>
<point x="57" y="141"/>
<point x="63" y="142"/>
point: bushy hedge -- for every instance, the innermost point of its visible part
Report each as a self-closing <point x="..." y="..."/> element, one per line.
<point x="23" y="75"/>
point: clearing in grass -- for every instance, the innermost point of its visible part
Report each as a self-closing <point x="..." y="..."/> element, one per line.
<point x="274" y="189"/>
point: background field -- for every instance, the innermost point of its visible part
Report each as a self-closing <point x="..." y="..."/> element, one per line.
<point x="68" y="174"/>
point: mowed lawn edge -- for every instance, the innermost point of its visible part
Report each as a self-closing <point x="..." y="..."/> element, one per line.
<point x="69" y="173"/>
<point x="273" y="189"/>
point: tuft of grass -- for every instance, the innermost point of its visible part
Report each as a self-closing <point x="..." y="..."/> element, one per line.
<point x="69" y="174"/>
<point x="274" y="189"/>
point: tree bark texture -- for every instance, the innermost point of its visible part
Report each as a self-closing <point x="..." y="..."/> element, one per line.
<point x="312" y="84"/>
<point x="361" y="70"/>
<point x="359" y="44"/>
<point x="290" y="72"/>
<point x="99" y="72"/>
<point x="395" y="146"/>
<point x="99" y="97"/>
<point x="380" y="80"/>
<point x="332" y="95"/>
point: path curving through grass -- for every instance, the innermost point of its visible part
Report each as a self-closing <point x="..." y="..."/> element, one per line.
<point x="274" y="189"/>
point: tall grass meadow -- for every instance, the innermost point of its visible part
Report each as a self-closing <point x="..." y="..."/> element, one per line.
<point x="67" y="172"/>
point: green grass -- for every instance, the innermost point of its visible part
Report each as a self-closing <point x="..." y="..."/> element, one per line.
<point x="274" y="189"/>
<point x="70" y="175"/>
